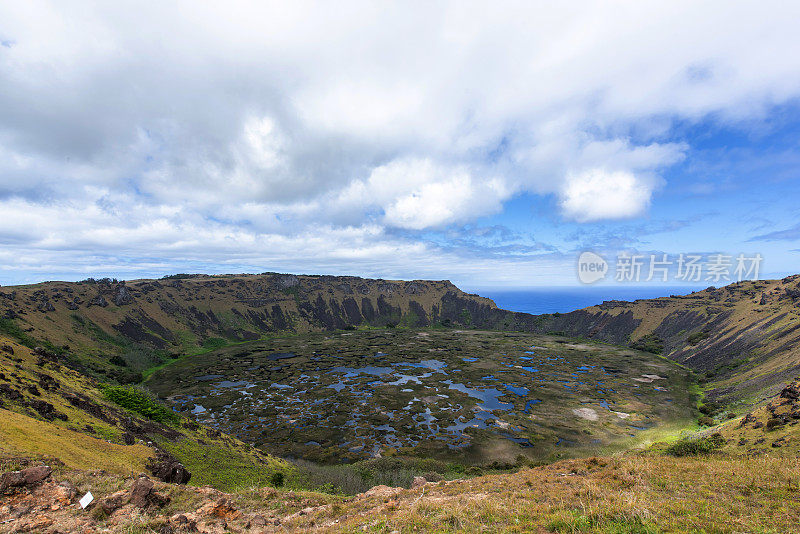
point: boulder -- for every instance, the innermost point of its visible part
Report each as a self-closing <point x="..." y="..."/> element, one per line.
<point x="47" y="410"/>
<point x="114" y="501"/>
<point x="257" y="521"/>
<point x="30" y="477"/>
<point x="167" y="469"/>
<point x="142" y="494"/>
<point x="183" y="523"/>
<point x="382" y="491"/>
<point x="36" y="475"/>
<point x="9" y="392"/>
<point x="46" y="306"/>
<point x="123" y="296"/>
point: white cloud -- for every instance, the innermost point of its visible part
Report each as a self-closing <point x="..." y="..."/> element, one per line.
<point x="266" y="119"/>
<point x="598" y="194"/>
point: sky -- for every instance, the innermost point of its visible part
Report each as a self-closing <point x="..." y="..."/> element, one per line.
<point x="488" y="143"/>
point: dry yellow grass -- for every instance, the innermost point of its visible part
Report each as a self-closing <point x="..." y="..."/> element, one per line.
<point x="636" y="494"/>
<point x="630" y="494"/>
<point x="26" y="436"/>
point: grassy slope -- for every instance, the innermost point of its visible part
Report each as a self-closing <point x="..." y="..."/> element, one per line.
<point x="21" y="435"/>
<point x="84" y="440"/>
<point x="615" y="495"/>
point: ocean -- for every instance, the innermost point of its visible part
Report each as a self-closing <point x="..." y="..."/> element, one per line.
<point x="566" y="299"/>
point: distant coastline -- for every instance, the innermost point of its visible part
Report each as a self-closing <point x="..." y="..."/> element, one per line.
<point x="565" y="299"/>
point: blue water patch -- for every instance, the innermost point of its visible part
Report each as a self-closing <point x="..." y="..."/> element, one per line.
<point x="470" y="360"/>
<point x="531" y="403"/>
<point x="604" y="404"/>
<point x="519" y="390"/>
<point x="529" y="369"/>
<point x="489" y="397"/>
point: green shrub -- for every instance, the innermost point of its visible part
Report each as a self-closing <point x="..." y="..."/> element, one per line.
<point x="710" y="408"/>
<point x="649" y="343"/>
<point x="276" y="480"/>
<point x="140" y="402"/>
<point x="705" y="420"/>
<point x="696" y="446"/>
<point x="697" y="337"/>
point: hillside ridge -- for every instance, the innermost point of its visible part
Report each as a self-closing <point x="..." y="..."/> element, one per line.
<point x="743" y="338"/>
<point x="118" y="329"/>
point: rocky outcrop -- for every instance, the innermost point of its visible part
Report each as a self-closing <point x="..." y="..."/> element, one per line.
<point x="167" y="469"/>
<point x="99" y="300"/>
<point x="142" y="494"/>
<point x="122" y="296"/>
<point x="26" y="478"/>
<point x="47" y="410"/>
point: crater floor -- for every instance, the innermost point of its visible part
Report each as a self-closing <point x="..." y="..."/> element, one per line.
<point x="474" y="396"/>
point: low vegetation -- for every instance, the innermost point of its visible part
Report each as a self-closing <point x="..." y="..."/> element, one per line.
<point x="649" y="343"/>
<point x="138" y="401"/>
<point x="228" y="466"/>
<point x="696" y="445"/>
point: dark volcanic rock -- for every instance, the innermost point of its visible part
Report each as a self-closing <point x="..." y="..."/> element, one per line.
<point x="123" y="296"/>
<point x="32" y="476"/>
<point x="99" y="300"/>
<point x="142" y="494"/>
<point x="167" y="469"/>
<point x="9" y="393"/>
<point x="792" y="391"/>
<point x="285" y="281"/>
<point x="47" y="410"/>
<point x="46" y="306"/>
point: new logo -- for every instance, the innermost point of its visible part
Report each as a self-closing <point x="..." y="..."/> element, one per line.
<point x="591" y="267"/>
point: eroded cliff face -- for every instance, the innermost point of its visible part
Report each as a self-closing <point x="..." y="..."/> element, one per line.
<point x="744" y="337"/>
<point x="100" y="319"/>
